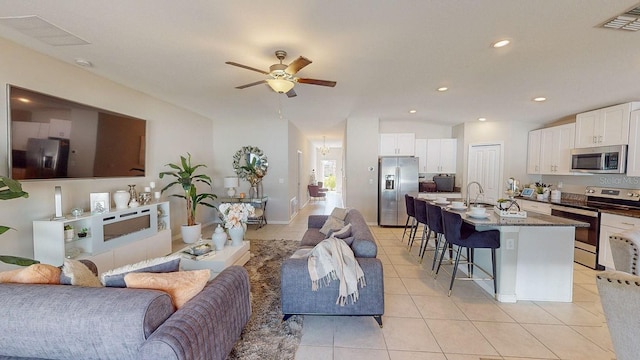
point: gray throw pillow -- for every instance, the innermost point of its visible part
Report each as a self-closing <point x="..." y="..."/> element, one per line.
<point x="339" y="213"/>
<point x="115" y="277"/>
<point x="348" y="240"/>
<point x="343" y="233"/>
<point x="331" y="224"/>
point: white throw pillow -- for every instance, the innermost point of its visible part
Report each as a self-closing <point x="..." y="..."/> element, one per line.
<point x="331" y="224"/>
<point x="339" y="213"/>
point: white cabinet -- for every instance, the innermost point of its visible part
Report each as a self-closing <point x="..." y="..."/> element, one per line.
<point x="533" y="152"/>
<point x="113" y="239"/>
<point x="612" y="224"/>
<point x="535" y="206"/>
<point x="604" y="127"/>
<point x="421" y="154"/>
<point x="555" y="149"/>
<point x="401" y="144"/>
<point x="633" y="154"/>
<point x="441" y="156"/>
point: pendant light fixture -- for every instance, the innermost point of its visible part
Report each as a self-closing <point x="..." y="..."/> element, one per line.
<point x="324" y="150"/>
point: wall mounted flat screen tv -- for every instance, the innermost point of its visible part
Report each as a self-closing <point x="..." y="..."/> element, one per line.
<point x="52" y="138"/>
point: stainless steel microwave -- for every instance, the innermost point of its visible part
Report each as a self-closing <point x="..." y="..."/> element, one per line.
<point x="601" y="160"/>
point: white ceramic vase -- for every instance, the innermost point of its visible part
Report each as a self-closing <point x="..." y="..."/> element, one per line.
<point x="191" y="234"/>
<point x="121" y="199"/>
<point x="237" y="235"/>
<point x="219" y="238"/>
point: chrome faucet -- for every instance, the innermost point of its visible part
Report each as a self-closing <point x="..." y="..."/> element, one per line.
<point x="479" y="188"/>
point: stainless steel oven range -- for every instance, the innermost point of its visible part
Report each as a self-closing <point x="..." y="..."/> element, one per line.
<point x="599" y="199"/>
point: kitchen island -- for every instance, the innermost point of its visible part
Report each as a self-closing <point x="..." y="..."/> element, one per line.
<point x="535" y="258"/>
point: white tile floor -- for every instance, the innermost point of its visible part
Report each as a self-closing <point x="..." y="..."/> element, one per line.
<point x="421" y="322"/>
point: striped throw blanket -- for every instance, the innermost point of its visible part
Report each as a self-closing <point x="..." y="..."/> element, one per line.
<point x="333" y="259"/>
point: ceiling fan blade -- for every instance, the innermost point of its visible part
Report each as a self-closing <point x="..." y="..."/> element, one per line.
<point x="251" y="84"/>
<point x="246" y="67"/>
<point x="316" y="82"/>
<point x="297" y="64"/>
<point x="291" y="93"/>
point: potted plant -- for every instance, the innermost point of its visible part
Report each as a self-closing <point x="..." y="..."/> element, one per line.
<point x="11" y="189"/>
<point x="235" y="217"/>
<point x="541" y="188"/>
<point x="83" y="232"/>
<point x="184" y="175"/>
<point x="68" y="233"/>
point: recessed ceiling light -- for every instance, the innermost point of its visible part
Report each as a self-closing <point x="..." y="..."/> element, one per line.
<point x="24" y="100"/>
<point x="443" y="88"/>
<point x="83" y="62"/>
<point x="501" y="43"/>
<point x="540" y="99"/>
<point x="482" y="119"/>
<point x="412" y="111"/>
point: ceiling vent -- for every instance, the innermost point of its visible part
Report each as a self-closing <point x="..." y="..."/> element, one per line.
<point x="42" y="30"/>
<point x="629" y="20"/>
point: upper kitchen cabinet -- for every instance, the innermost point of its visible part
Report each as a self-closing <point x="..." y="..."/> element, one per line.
<point x="421" y="154"/>
<point x="533" y="152"/>
<point x="633" y="154"/>
<point x="397" y="144"/>
<point x="604" y="127"/>
<point x="441" y="156"/>
<point x="555" y="149"/>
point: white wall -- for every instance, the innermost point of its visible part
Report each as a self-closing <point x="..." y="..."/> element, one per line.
<point x="515" y="136"/>
<point x="361" y="153"/>
<point x="422" y="128"/>
<point x="298" y="142"/>
<point x="171" y="131"/>
<point x="270" y="135"/>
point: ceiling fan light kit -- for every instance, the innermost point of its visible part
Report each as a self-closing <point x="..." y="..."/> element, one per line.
<point x="280" y="77"/>
<point x="280" y="85"/>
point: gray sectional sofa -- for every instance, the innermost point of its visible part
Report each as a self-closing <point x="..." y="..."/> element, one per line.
<point x="74" y="322"/>
<point x="296" y="295"/>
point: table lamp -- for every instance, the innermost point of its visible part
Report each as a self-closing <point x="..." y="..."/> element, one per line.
<point x="231" y="183"/>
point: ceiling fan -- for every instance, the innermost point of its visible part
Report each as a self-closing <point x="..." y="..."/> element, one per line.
<point x="281" y="76"/>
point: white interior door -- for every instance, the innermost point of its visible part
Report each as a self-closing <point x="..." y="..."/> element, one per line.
<point x="485" y="167"/>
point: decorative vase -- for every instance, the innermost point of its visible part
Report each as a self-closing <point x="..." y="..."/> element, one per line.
<point x="68" y="235"/>
<point x="237" y="235"/>
<point x="253" y="192"/>
<point x="121" y="199"/>
<point x="219" y="238"/>
<point x="133" y="195"/>
<point x="191" y="234"/>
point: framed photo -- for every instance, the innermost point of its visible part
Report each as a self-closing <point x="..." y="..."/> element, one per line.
<point x="527" y="192"/>
<point x="99" y="202"/>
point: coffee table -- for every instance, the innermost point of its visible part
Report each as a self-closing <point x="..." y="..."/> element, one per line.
<point x="229" y="255"/>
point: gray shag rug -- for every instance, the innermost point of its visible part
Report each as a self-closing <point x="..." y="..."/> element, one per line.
<point x="266" y="336"/>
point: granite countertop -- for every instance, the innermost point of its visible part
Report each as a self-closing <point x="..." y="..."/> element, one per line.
<point x="532" y="219"/>
<point x="634" y="213"/>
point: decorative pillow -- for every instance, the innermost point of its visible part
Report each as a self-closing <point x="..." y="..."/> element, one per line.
<point x="33" y="274"/>
<point x="349" y="240"/>
<point x="339" y="213"/>
<point x="76" y="273"/>
<point x="115" y="277"/>
<point x="331" y="224"/>
<point x="180" y="285"/>
<point x="343" y="233"/>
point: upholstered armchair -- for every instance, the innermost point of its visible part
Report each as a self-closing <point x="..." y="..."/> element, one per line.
<point x="625" y="251"/>
<point x="620" y="297"/>
<point x="315" y="193"/>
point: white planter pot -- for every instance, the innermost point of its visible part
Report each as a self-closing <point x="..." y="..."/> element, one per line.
<point x="237" y="235"/>
<point x="191" y="234"/>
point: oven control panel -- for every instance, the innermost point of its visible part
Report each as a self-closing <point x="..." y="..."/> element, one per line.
<point x="612" y="193"/>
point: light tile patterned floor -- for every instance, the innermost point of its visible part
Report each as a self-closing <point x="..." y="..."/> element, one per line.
<point x="421" y="322"/>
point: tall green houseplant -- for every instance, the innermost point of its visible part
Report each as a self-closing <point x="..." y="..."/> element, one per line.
<point x="11" y="189"/>
<point x="184" y="176"/>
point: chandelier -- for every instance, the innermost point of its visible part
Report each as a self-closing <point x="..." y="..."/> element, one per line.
<point x="324" y="150"/>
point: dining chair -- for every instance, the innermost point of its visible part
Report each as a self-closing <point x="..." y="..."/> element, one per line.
<point x="466" y="236"/>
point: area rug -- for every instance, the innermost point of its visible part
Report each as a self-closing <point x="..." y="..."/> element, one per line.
<point x="266" y="336"/>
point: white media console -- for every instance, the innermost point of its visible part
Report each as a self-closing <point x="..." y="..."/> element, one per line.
<point x="113" y="239"/>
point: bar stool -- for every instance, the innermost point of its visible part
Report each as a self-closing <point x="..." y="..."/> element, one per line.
<point x="434" y="221"/>
<point x="420" y="215"/>
<point x="411" y="214"/>
<point x="466" y="236"/>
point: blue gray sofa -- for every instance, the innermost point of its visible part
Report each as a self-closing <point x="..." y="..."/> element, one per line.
<point x="296" y="295"/>
<point x="74" y="322"/>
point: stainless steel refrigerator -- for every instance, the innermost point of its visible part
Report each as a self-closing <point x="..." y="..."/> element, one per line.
<point x="47" y="158"/>
<point x="398" y="176"/>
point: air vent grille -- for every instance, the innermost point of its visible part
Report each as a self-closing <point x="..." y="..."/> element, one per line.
<point x="42" y="30"/>
<point x="629" y="20"/>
